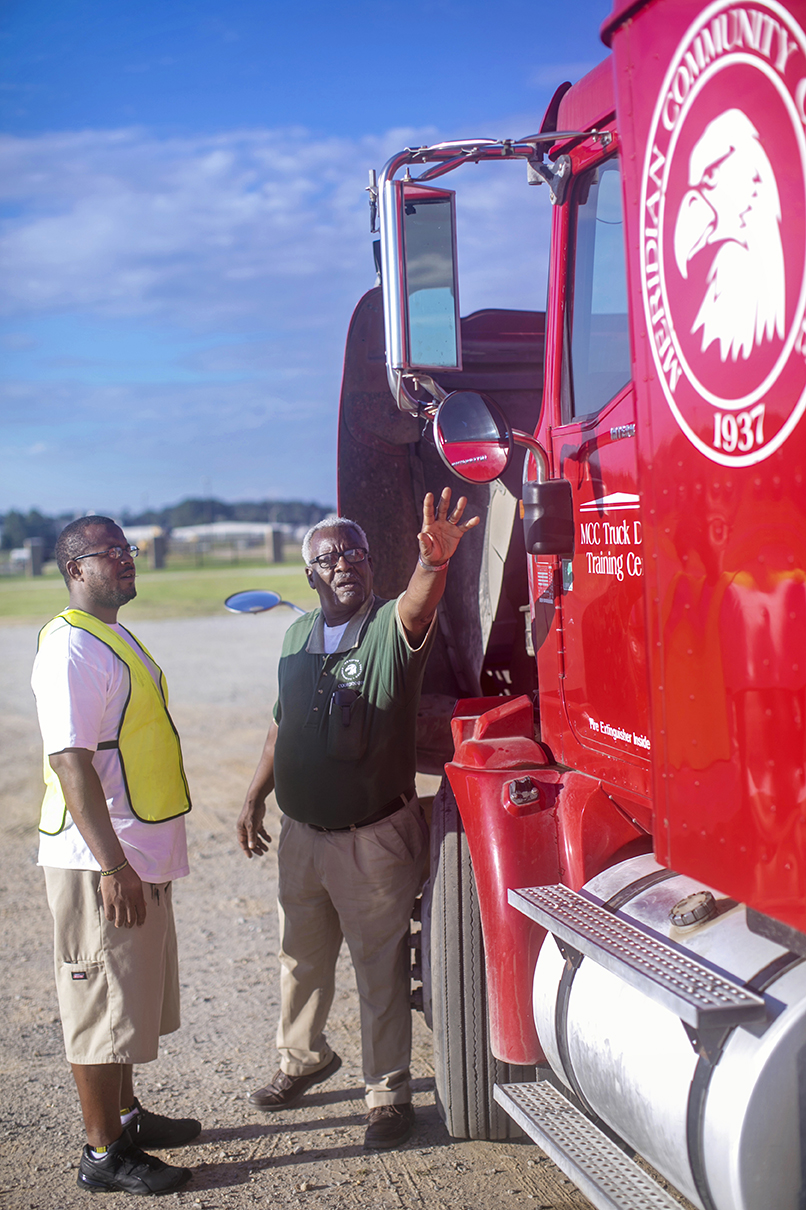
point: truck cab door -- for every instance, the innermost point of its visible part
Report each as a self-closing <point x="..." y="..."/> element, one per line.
<point x="602" y="699"/>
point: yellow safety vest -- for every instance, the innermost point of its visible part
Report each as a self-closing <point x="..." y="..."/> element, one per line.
<point x="147" y="742"/>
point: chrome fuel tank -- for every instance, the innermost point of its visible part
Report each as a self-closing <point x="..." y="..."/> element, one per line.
<point x="723" y="1116"/>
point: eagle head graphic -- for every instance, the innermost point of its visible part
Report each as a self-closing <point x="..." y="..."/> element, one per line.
<point x="732" y="205"/>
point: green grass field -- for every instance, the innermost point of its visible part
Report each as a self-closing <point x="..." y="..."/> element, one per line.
<point x="160" y="594"/>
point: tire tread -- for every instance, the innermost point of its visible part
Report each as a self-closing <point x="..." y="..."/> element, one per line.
<point x="465" y="1067"/>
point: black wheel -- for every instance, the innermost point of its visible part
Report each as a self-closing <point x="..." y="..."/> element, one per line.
<point x="464" y="1064"/>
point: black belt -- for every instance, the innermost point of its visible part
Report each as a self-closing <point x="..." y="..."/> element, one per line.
<point x="389" y="808"/>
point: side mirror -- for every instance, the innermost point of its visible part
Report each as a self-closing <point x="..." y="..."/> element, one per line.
<point x="548" y="518"/>
<point x="473" y="437"/>
<point x="420" y="281"/>
<point x="256" y="600"/>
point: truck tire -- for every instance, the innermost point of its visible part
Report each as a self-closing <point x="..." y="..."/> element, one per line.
<point x="464" y="1065"/>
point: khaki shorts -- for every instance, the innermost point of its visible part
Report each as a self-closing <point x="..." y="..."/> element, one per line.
<point x="118" y="988"/>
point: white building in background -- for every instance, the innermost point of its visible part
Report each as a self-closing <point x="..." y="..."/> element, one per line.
<point x="139" y="535"/>
<point x="251" y="533"/>
<point x="221" y="536"/>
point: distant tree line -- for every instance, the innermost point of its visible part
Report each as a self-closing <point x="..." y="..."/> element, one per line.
<point x="17" y="526"/>
<point x="204" y="511"/>
<point x="33" y="524"/>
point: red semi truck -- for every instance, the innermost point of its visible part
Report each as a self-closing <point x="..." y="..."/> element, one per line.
<point x="614" y="935"/>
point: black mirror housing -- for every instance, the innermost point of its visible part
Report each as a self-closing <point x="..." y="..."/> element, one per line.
<point x="548" y="518"/>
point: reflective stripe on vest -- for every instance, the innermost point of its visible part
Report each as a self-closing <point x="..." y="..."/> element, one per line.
<point x="147" y="742"/>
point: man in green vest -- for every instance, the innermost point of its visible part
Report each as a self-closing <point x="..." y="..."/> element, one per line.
<point x="340" y="755"/>
<point x="112" y="841"/>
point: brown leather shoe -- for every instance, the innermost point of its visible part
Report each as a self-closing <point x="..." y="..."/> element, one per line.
<point x="284" y="1091"/>
<point x="389" y="1126"/>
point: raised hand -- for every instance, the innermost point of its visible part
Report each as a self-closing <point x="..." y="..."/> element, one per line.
<point x="443" y="529"/>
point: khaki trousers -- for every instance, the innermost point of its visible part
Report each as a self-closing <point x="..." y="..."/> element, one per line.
<point x="359" y="885"/>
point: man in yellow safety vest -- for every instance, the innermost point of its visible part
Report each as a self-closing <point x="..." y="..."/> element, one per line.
<point x="112" y="841"/>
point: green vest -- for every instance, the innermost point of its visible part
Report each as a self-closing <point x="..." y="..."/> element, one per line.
<point x="334" y="765"/>
<point x="147" y="742"/>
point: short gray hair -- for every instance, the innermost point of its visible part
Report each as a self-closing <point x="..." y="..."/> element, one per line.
<point x="330" y="523"/>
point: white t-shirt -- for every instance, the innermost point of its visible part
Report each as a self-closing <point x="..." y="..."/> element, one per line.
<point x="333" y="636"/>
<point x="81" y="689"/>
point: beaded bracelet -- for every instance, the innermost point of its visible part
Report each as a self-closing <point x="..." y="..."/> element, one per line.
<point x="115" y="869"/>
<point x="433" y="566"/>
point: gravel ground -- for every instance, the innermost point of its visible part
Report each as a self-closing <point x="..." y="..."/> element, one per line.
<point x="221" y="672"/>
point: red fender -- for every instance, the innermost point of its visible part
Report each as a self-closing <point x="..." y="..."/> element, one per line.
<point x="568" y="831"/>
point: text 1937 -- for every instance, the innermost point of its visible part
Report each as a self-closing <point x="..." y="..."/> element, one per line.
<point x="739" y="430"/>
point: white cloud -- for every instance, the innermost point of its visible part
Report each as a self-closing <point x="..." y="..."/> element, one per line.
<point x="126" y="224"/>
<point x="70" y="443"/>
<point x="240" y="257"/>
<point x="203" y="232"/>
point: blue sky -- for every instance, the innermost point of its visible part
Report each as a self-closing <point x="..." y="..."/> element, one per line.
<point x="184" y="230"/>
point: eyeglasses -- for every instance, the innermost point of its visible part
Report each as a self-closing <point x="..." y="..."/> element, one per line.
<point x="114" y="552"/>
<point x="356" y="554"/>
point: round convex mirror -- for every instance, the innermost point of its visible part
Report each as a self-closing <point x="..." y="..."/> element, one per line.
<point x="473" y="437"/>
<point x="254" y="600"/>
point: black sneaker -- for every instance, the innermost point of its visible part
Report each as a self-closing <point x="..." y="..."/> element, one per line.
<point x="127" y="1169"/>
<point x="153" y="1130"/>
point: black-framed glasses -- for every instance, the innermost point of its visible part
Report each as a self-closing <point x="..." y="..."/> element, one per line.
<point x="114" y="552"/>
<point x="356" y="554"/>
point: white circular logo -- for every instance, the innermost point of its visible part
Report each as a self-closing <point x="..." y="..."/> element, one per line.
<point x="351" y="670"/>
<point x="723" y="241"/>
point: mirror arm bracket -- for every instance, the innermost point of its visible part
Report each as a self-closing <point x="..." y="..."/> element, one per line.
<point x="408" y="403"/>
<point x="372" y="190"/>
<point x="556" y="176"/>
<point x="536" y="450"/>
<point x="431" y="385"/>
<point x="447" y="156"/>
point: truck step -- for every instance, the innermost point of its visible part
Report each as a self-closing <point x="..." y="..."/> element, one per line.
<point x="698" y="995"/>
<point x="606" y="1176"/>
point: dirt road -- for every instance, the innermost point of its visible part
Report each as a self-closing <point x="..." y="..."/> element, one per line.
<point x="221" y="672"/>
